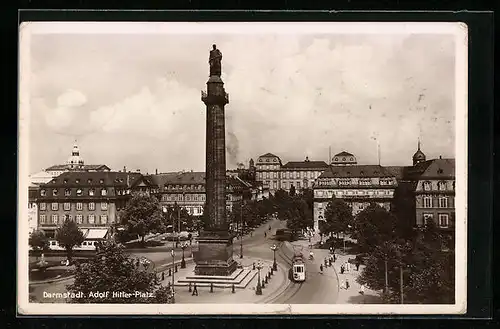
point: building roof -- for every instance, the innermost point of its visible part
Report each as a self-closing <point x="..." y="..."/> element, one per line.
<point x="267" y="155"/>
<point x="305" y="164"/>
<point x="344" y="154"/>
<point x="84" y="167"/>
<point x="397" y="171"/>
<point x="439" y="168"/>
<point x="356" y="171"/>
<point x="190" y="177"/>
<point x="94" y="178"/>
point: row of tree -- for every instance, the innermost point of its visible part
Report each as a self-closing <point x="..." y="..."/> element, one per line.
<point x="410" y="265"/>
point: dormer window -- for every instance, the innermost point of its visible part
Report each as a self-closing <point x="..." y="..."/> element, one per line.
<point x="440" y="171"/>
<point x="54" y="192"/>
<point x="67" y="192"/>
<point x="442" y="186"/>
<point x="104" y="192"/>
<point x="65" y="181"/>
<point x="43" y="193"/>
<point x="352" y="159"/>
<point x="91" y="192"/>
<point x="89" y="181"/>
<point x="101" y="181"/>
<point x="427" y="186"/>
<point x="79" y="192"/>
<point x="77" y="181"/>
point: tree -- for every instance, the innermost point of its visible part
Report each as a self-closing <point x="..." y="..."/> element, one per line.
<point x="299" y="217"/>
<point x="338" y="216"/>
<point x="143" y="215"/>
<point x="292" y="191"/>
<point x="69" y="236"/>
<point x="373" y="226"/>
<point x="38" y="241"/>
<point x="111" y="270"/>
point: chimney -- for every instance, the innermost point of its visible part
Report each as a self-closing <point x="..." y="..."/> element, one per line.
<point x="440" y="157"/>
<point x="138" y="170"/>
<point x="124" y="169"/>
<point x="156" y="171"/>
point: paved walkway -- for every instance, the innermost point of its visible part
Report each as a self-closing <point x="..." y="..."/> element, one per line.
<point x="275" y="286"/>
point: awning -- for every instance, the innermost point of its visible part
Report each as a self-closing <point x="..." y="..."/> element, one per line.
<point x="96" y="233"/>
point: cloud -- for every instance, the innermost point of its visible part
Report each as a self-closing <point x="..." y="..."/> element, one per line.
<point x="292" y="96"/>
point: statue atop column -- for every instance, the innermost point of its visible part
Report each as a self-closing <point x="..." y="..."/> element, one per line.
<point x="215" y="60"/>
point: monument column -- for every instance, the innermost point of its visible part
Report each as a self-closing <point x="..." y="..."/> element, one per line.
<point x="215" y="255"/>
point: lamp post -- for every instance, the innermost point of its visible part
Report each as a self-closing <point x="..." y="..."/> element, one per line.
<point x="241" y="228"/>
<point x="183" y="261"/>
<point x="173" y="274"/>
<point x="258" y="290"/>
<point x="275" y="266"/>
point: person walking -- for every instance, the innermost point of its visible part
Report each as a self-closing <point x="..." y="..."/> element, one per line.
<point x="342" y="284"/>
<point x="195" y="290"/>
<point x="342" y="269"/>
<point x="362" y="289"/>
<point x="357" y="265"/>
<point x="346" y="284"/>
<point x="321" y="268"/>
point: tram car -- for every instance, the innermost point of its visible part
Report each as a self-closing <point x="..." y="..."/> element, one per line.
<point x="298" y="271"/>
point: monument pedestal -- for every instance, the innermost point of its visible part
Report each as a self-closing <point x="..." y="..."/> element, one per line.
<point x="215" y="254"/>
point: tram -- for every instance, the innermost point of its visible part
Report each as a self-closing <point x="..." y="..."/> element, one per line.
<point x="298" y="271"/>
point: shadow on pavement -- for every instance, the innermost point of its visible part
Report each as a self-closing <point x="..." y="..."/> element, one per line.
<point x="365" y="299"/>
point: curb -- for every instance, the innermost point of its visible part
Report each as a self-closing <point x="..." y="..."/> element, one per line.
<point x="39" y="283"/>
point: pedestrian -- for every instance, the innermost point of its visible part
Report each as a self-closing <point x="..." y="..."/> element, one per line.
<point x="347" y="266"/>
<point x="334" y="257"/>
<point x="346" y="284"/>
<point x="195" y="290"/>
<point x="342" y="284"/>
<point x="362" y="289"/>
<point x="357" y="266"/>
<point x="342" y="269"/>
<point x="162" y="276"/>
<point x="330" y="262"/>
<point x="265" y="235"/>
<point x="321" y="268"/>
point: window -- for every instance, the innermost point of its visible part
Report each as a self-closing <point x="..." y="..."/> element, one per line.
<point x="364" y="182"/>
<point x="43" y="206"/>
<point x="67" y="192"/>
<point x="275" y="185"/>
<point x="67" y="206"/>
<point x="91" y="192"/>
<point x="203" y="197"/>
<point x="101" y="181"/>
<point x="267" y="160"/>
<point x="443" y="220"/>
<point x="55" y="206"/>
<point x="104" y="192"/>
<point x="77" y="181"/>
<point x="442" y="186"/>
<point x="275" y="175"/>
<point x="427" y="186"/>
<point x="42" y="219"/>
<point x="104" y="206"/>
<point x="79" y="219"/>
<point x="54" y="192"/>
<point x="336" y="159"/>
<point x="54" y="218"/>
<point x="267" y="174"/>
<point x="91" y="218"/>
<point x="43" y="193"/>
<point x="352" y="159"/>
<point x="89" y="181"/>
<point x="443" y="202"/>
<point x="427" y="202"/>
<point x="298" y="184"/>
<point x="343" y="159"/>
<point x="91" y="206"/>
<point x="79" y="192"/>
<point x="104" y="219"/>
<point x="344" y="181"/>
<point x="68" y="217"/>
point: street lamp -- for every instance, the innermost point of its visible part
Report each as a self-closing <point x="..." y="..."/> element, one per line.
<point x="173" y="274"/>
<point x="275" y="266"/>
<point x="258" y="290"/>
<point x="183" y="261"/>
<point x="241" y="229"/>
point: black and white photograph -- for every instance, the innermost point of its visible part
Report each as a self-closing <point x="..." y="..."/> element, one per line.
<point x="242" y="168"/>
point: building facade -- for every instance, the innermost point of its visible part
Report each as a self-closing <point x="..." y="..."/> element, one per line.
<point x="91" y="199"/>
<point x="357" y="185"/>
<point x="268" y="169"/>
<point x="301" y="174"/>
<point x="187" y="190"/>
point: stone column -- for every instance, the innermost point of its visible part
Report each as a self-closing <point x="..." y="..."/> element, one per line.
<point x="215" y="255"/>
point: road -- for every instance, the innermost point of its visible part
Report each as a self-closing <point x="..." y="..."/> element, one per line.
<point x="317" y="289"/>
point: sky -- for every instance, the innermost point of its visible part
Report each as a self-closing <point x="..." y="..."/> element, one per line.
<point x="134" y="99"/>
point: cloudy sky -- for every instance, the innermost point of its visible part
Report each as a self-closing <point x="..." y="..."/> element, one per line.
<point x="134" y="99"/>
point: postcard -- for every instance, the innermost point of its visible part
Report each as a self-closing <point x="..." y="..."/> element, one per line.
<point x="242" y="168"/>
